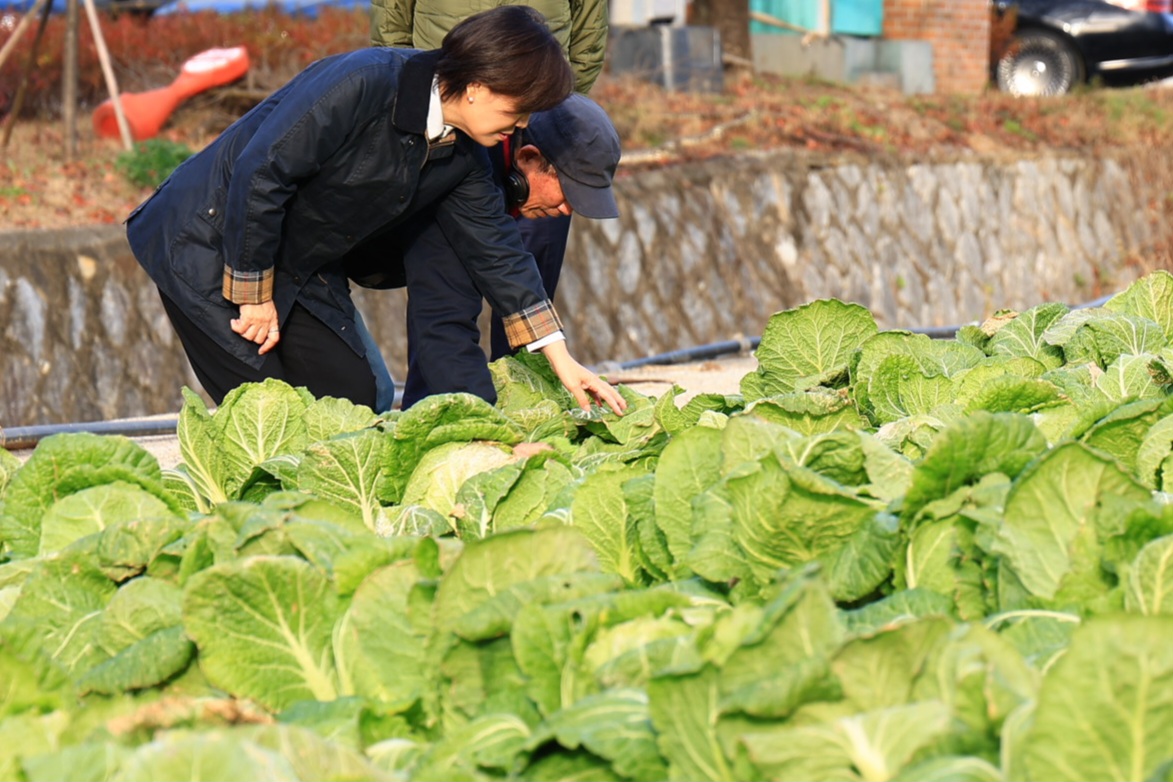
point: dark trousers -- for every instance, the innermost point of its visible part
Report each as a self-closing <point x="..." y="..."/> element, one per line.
<point x="309" y="354"/>
<point x="444" y="352"/>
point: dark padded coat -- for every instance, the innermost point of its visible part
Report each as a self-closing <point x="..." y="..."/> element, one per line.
<point x="321" y="170"/>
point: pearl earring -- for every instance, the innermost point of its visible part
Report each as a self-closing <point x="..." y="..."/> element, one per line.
<point x="470" y="99"/>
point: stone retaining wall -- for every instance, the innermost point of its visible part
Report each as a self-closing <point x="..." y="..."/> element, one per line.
<point x="703" y="252"/>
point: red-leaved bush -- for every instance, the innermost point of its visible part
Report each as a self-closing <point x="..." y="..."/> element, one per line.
<point x="147" y="52"/>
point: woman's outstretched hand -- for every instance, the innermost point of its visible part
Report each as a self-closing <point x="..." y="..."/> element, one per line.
<point x="258" y="323"/>
<point x="584" y="384"/>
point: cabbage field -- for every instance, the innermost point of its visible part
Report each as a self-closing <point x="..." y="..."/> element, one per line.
<point x="887" y="558"/>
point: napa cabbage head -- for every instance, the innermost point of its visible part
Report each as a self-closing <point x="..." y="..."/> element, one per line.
<point x="444" y="469"/>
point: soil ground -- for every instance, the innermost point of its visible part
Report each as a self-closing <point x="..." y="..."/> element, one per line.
<point x="41" y="188"/>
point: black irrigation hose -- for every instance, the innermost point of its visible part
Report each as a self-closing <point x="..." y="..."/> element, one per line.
<point x="746" y="344"/>
<point x="19" y="438"/>
<point x="728" y="347"/>
<point x="22" y="437"/>
<point x="683" y="356"/>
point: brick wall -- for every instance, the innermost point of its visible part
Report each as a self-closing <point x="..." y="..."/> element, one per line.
<point x="959" y="31"/>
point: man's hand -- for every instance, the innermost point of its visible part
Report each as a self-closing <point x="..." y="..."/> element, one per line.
<point x="258" y="323"/>
<point x="584" y="384"/>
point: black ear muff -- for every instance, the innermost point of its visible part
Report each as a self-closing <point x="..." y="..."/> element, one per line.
<point x="516" y="189"/>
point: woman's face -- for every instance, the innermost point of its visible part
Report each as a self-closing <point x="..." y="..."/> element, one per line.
<point x="486" y="117"/>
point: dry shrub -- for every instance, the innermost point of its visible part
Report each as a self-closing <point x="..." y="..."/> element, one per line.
<point x="1002" y="24"/>
<point x="1158" y="181"/>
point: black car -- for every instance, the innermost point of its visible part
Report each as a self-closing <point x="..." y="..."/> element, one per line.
<point x="1054" y="45"/>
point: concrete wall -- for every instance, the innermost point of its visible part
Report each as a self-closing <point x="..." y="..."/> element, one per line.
<point x="906" y="66"/>
<point x="703" y="252"/>
<point x="83" y="336"/>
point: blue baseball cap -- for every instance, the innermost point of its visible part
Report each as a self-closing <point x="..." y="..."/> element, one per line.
<point x="578" y="139"/>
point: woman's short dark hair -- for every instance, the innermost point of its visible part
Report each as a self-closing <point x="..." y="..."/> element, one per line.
<point x="510" y="50"/>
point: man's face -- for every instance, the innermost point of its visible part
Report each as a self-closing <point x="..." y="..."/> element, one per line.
<point x="545" y="191"/>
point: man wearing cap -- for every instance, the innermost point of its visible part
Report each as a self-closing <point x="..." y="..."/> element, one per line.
<point x="563" y="162"/>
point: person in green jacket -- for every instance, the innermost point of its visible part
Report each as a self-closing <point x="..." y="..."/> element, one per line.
<point x="579" y="25"/>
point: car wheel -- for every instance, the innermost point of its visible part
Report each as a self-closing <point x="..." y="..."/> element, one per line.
<point x="1038" y="62"/>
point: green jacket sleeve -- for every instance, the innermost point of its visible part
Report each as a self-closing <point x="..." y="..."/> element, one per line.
<point x="588" y="41"/>
<point x="391" y="23"/>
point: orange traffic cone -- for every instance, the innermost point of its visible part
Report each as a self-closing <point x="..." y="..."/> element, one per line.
<point x="147" y="111"/>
